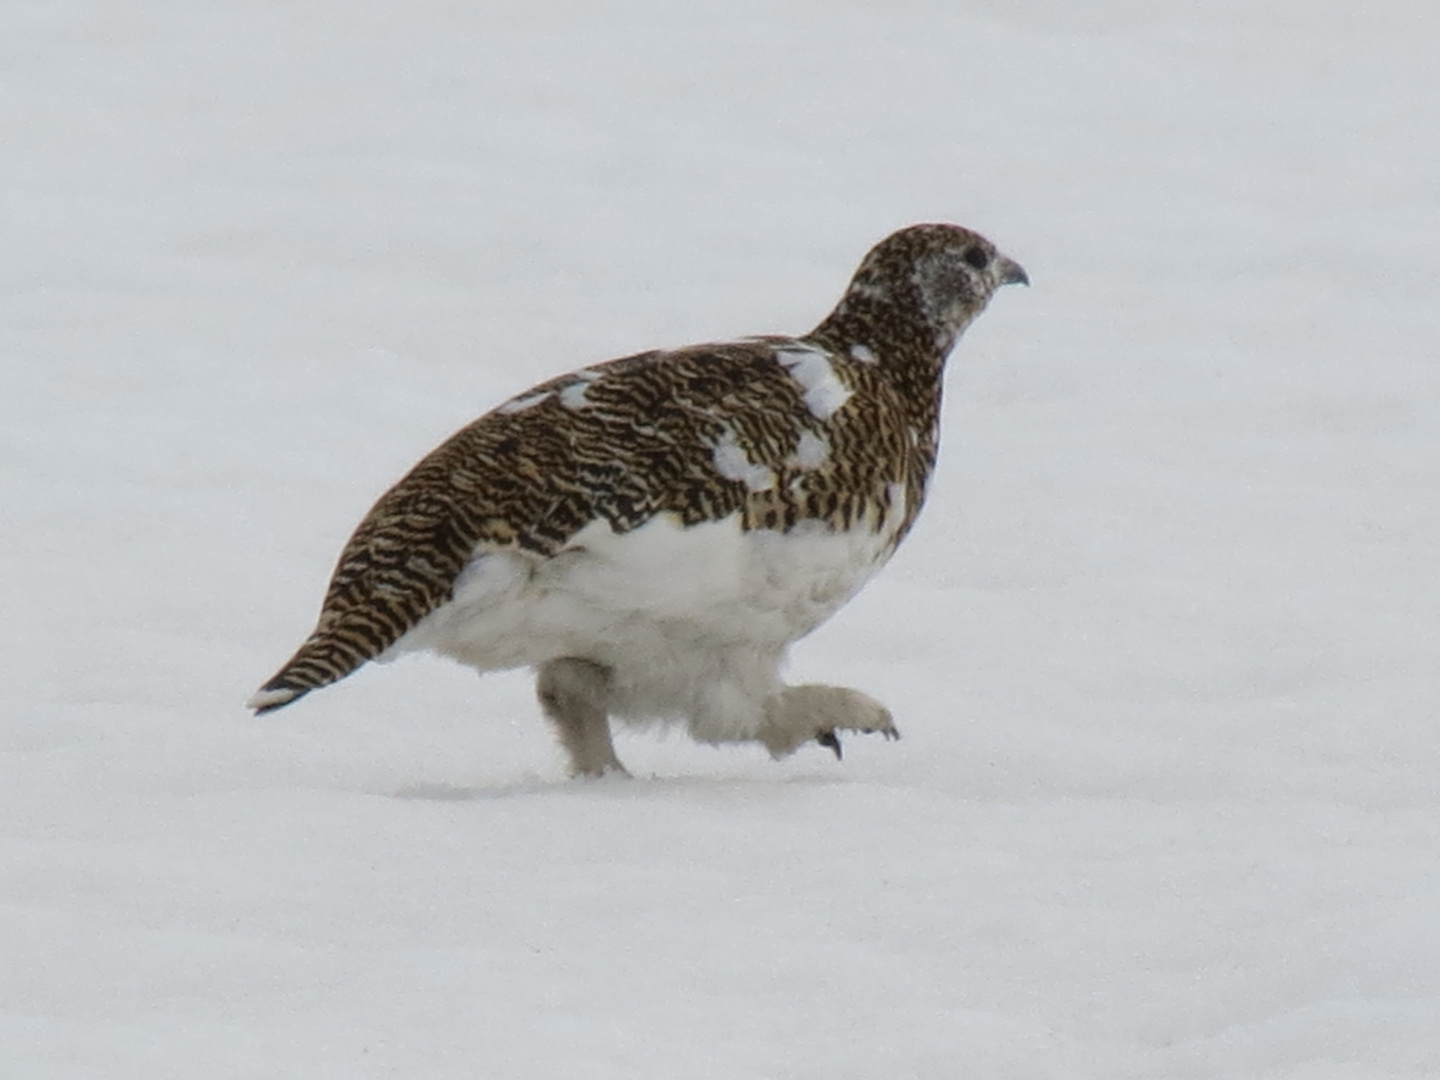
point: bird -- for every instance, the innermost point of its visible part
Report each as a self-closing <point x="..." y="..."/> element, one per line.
<point x="651" y="534"/>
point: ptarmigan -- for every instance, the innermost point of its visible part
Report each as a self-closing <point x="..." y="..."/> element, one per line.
<point x="651" y="534"/>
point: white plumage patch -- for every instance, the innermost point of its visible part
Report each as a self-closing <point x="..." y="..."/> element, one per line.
<point x="811" y="451"/>
<point x="733" y="463"/>
<point x="693" y="621"/>
<point x="265" y="699"/>
<point x="811" y="368"/>
<point x="523" y="402"/>
<point x="573" y="396"/>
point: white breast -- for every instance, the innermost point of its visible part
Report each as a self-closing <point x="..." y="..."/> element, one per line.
<point x="667" y="607"/>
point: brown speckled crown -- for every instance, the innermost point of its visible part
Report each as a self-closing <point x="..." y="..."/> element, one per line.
<point x="626" y="440"/>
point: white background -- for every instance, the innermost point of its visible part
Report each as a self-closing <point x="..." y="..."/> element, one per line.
<point x="1165" y="646"/>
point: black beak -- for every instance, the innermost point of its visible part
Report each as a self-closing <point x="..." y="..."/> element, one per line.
<point x="1011" y="272"/>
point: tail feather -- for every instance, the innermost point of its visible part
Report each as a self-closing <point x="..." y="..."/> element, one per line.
<point x="399" y="566"/>
<point x="270" y="697"/>
<point x="327" y="657"/>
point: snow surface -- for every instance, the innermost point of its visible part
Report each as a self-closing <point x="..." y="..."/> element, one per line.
<point x="1164" y="646"/>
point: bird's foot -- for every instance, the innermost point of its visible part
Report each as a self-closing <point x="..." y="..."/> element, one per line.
<point x="597" y="770"/>
<point x="831" y="739"/>
<point x="801" y="713"/>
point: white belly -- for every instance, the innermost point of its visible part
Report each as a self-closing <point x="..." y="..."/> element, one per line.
<point x="693" y="621"/>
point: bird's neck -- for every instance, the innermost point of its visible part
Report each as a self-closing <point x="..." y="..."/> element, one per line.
<point x="906" y="349"/>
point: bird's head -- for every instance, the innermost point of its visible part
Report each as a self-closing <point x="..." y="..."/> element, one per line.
<point x="925" y="282"/>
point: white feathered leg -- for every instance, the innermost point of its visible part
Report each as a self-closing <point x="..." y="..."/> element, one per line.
<point x="800" y="713"/>
<point x="575" y="696"/>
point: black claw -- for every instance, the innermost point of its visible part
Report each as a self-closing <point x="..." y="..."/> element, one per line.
<point x="830" y="739"/>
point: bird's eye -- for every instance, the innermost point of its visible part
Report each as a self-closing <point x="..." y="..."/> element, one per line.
<point x="976" y="257"/>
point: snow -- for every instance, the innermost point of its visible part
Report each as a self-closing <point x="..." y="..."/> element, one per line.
<point x="1163" y="645"/>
